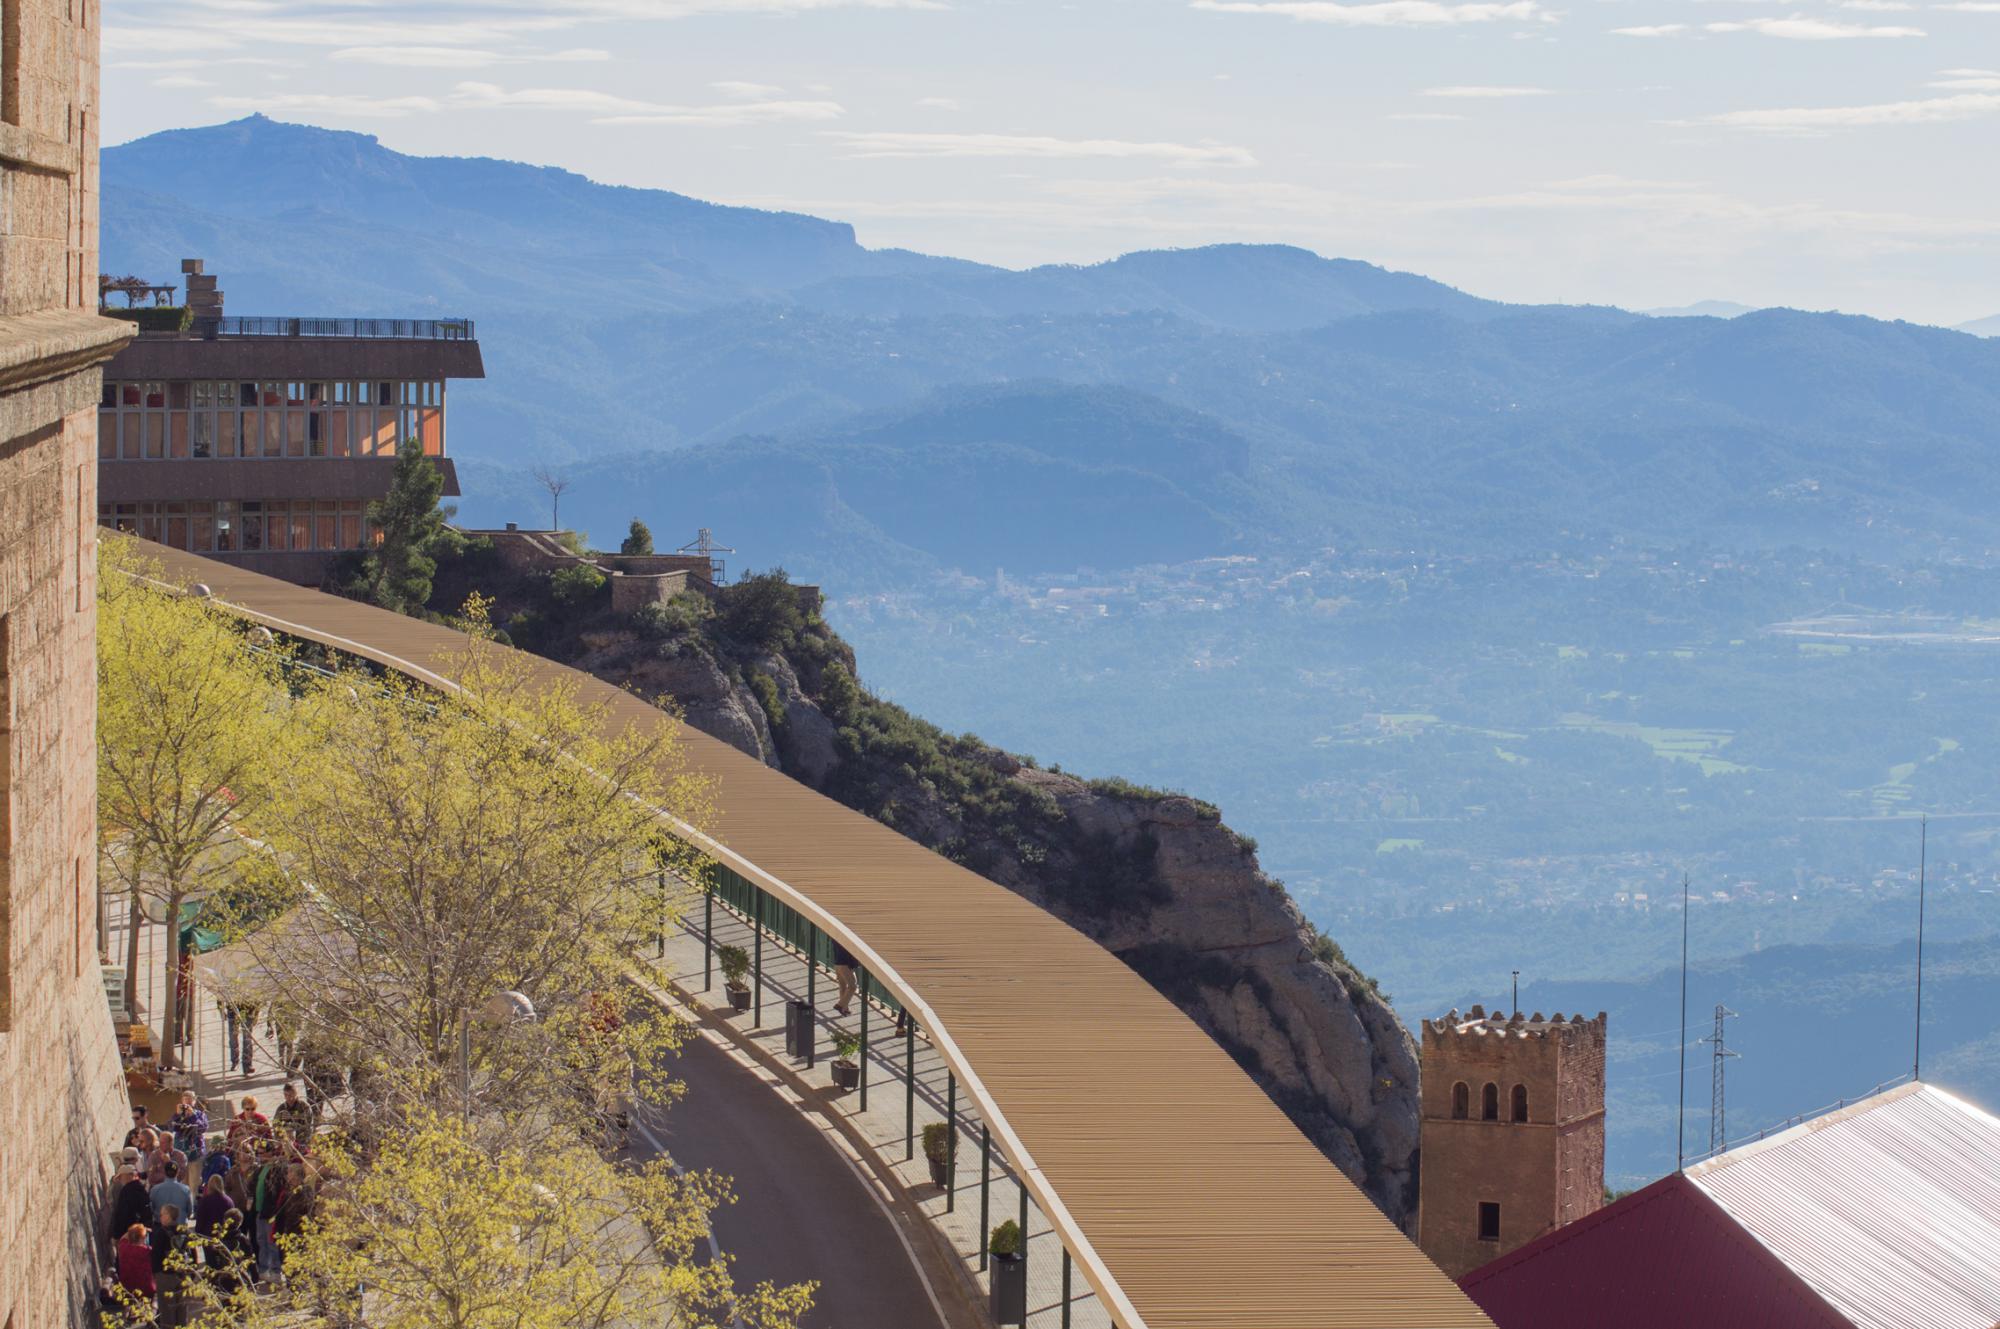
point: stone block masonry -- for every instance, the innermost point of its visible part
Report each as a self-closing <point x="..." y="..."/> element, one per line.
<point x="62" y="1094"/>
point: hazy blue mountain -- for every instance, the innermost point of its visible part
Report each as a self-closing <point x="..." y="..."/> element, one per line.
<point x="1702" y="309"/>
<point x="1982" y="327"/>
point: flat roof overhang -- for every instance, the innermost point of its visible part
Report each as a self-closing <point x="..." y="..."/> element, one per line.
<point x="166" y="359"/>
<point x="205" y="479"/>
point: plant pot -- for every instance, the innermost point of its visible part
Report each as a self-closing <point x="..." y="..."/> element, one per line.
<point x="846" y="1075"/>
<point x="739" y="999"/>
<point x="1008" y="1298"/>
<point x="940" y="1171"/>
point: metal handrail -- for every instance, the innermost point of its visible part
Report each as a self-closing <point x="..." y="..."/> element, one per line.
<point x="406" y="329"/>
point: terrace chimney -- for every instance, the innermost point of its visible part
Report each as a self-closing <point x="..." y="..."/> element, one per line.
<point x="204" y="301"/>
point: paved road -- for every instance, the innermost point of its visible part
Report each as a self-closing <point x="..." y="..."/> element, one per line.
<point x="801" y="1212"/>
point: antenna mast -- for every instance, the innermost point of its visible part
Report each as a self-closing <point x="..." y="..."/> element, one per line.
<point x="1923" y="856"/>
<point x="1680" y="1117"/>
<point x="1718" y="1135"/>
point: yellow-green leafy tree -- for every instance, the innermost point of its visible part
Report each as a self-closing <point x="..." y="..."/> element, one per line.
<point x="444" y="850"/>
<point x="194" y="738"/>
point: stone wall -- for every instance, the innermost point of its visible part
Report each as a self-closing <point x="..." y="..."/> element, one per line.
<point x="62" y="1095"/>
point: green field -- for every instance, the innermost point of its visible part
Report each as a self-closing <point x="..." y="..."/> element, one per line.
<point x="1697" y="746"/>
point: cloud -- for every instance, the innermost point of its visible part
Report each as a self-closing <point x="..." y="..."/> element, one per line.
<point x="1967" y="80"/>
<point x="457" y="57"/>
<point x="1877" y="6"/>
<point x="606" y="108"/>
<point x="940" y="103"/>
<point x="1386" y="13"/>
<point x="1483" y="92"/>
<point x="882" y="143"/>
<point x="1800" y="28"/>
<point x="1973" y="6"/>
<point x="755" y="91"/>
<point x="1425" y="115"/>
<point x="182" y="81"/>
<point x="327" y="103"/>
<point x="1818" y="119"/>
<point x="1652" y="30"/>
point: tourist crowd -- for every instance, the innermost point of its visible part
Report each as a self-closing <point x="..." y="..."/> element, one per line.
<point x="194" y="1203"/>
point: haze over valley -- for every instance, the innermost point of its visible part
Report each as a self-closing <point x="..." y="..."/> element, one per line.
<point x="1486" y="620"/>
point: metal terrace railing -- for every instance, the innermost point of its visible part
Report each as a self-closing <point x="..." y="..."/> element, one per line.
<point x="1182" y="1194"/>
<point x="406" y="329"/>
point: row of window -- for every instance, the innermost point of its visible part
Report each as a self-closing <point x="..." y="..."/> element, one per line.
<point x="182" y="395"/>
<point x="231" y="527"/>
<point x="142" y="421"/>
<point x="1489" y="1102"/>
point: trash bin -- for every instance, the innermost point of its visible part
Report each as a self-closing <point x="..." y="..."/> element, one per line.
<point x="798" y="1030"/>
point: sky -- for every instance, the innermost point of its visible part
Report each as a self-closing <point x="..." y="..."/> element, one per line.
<point x="1826" y="154"/>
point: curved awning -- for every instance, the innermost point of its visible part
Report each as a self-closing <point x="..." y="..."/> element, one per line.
<point x="1188" y="1200"/>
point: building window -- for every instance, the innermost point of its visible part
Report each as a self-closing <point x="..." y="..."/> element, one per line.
<point x="1489" y="1102"/>
<point x="1520" y="1102"/>
<point x="1461" y="1101"/>
<point x="1489" y="1220"/>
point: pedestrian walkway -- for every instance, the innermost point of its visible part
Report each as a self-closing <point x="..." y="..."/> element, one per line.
<point x="204" y="1058"/>
<point x="897" y="1108"/>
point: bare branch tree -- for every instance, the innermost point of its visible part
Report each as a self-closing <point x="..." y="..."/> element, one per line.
<point x="557" y="485"/>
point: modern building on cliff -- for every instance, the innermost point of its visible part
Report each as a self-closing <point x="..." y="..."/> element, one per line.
<point x="1882" y="1215"/>
<point x="1512" y="1132"/>
<point x="260" y="441"/>
<point x="62" y="1094"/>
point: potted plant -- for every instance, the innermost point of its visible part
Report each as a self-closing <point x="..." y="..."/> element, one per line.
<point x="1008" y="1297"/>
<point x="735" y="962"/>
<point x="939" y="1146"/>
<point x="846" y="1061"/>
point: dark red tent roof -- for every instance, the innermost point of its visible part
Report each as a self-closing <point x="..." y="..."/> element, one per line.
<point x="1666" y="1257"/>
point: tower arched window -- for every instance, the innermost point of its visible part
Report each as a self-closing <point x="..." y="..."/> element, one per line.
<point x="1520" y="1102"/>
<point x="1461" y="1101"/>
<point x="1489" y="1102"/>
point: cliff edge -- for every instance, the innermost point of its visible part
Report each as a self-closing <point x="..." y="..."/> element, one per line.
<point x="1154" y="876"/>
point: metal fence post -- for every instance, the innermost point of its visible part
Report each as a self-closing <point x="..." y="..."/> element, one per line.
<point x="985" y="1189"/>
<point x="950" y="1141"/>
<point x="1065" y="1290"/>
<point x="909" y="1091"/>
<point x="757" y="1016"/>
<point x="812" y="993"/>
<point x="864" y="1042"/>
<point x="708" y="940"/>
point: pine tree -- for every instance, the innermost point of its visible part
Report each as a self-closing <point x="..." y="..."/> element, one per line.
<point x="410" y="533"/>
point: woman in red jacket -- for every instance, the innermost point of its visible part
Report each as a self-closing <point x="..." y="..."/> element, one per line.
<point x="135" y="1265"/>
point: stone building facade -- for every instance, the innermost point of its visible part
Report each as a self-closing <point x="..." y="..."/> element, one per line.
<point x="62" y="1095"/>
<point x="1512" y="1132"/>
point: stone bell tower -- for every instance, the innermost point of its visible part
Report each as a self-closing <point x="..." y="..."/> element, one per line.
<point x="1512" y="1132"/>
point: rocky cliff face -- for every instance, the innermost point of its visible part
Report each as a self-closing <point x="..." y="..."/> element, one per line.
<point x="1156" y="877"/>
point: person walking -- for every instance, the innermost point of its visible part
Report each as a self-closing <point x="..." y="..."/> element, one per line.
<point x="246" y="1016"/>
<point x="844" y="975"/>
<point x="211" y="1208"/>
<point x="294" y="1116"/>
<point x="140" y="1125"/>
<point x="249" y="1125"/>
<point x="267" y="1200"/>
<point x="167" y="1246"/>
<point x="190" y="1127"/>
<point x="131" y="1198"/>
<point x="229" y="1017"/>
<point x="167" y="1191"/>
<point x="135" y="1267"/>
